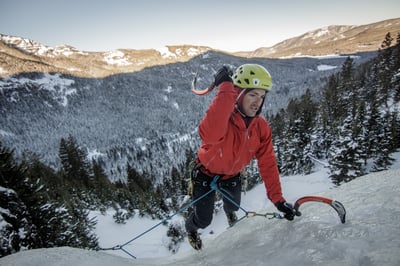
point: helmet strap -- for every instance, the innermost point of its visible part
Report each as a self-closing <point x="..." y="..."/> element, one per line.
<point x="246" y="118"/>
<point x="237" y="106"/>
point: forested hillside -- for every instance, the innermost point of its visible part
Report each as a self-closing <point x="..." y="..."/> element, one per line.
<point x="353" y="124"/>
<point x="147" y="119"/>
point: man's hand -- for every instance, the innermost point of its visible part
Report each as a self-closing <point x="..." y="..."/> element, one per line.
<point x="287" y="209"/>
<point x="223" y="74"/>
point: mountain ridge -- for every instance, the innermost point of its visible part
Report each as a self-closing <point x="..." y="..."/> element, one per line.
<point x="19" y="55"/>
<point x="345" y="39"/>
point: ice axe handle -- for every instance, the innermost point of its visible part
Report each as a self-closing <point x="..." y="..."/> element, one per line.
<point x="201" y="92"/>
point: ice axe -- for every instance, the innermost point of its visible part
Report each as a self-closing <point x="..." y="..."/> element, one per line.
<point x="339" y="208"/>
<point x="204" y="91"/>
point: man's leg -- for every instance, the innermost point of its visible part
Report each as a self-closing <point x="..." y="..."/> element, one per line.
<point x="231" y="188"/>
<point x="203" y="209"/>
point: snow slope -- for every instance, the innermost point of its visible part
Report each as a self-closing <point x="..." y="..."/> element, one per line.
<point x="154" y="244"/>
<point x="370" y="235"/>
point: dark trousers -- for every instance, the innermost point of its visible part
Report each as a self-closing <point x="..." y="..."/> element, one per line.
<point x="202" y="214"/>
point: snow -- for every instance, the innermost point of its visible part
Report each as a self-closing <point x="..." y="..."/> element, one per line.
<point x="34" y="47"/>
<point x="94" y="154"/>
<point x="58" y="86"/>
<point x="116" y="58"/>
<point x="165" y="52"/>
<point x="318" y="34"/>
<point x="5" y="133"/>
<point x="369" y="236"/>
<point x="325" y="67"/>
<point x="328" y="56"/>
<point x="193" y="52"/>
<point x="168" y="89"/>
<point x="175" y="105"/>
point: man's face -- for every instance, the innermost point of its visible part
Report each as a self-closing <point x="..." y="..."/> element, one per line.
<point x="252" y="102"/>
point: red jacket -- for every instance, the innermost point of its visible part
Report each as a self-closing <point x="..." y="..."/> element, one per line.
<point x="228" y="146"/>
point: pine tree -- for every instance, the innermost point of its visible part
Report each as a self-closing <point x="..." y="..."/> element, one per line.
<point x="137" y="183"/>
<point x="102" y="185"/>
<point x="382" y="159"/>
<point x="53" y="182"/>
<point x="33" y="218"/>
<point x="53" y="224"/>
<point x="278" y="126"/>
<point x="82" y="228"/>
<point x="176" y="233"/>
<point x="373" y="129"/>
<point x="75" y="164"/>
<point x="344" y="158"/>
<point x="331" y="109"/>
<point x="359" y="130"/>
<point x="348" y="90"/>
<point x="322" y="137"/>
<point x="396" y="70"/>
<point x="296" y="156"/>
<point x="395" y="131"/>
<point x="17" y="230"/>
<point x="383" y="70"/>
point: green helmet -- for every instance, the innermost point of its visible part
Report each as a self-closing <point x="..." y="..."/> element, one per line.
<point x="252" y="76"/>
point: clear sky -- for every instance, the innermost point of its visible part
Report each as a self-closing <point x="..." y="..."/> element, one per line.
<point x="230" y="25"/>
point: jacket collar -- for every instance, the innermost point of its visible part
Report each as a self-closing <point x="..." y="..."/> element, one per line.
<point x="241" y="120"/>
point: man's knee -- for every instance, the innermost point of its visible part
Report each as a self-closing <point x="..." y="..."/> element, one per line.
<point x="198" y="220"/>
<point x="203" y="221"/>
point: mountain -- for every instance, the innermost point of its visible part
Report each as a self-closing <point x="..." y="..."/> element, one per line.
<point x="334" y="39"/>
<point x="19" y="55"/>
<point x="30" y="56"/>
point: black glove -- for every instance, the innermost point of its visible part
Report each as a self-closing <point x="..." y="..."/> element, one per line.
<point x="286" y="208"/>
<point x="223" y="74"/>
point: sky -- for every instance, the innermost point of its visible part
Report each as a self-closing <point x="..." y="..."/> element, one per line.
<point x="105" y="25"/>
<point x="317" y="237"/>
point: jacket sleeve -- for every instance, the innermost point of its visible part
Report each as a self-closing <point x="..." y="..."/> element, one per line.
<point x="214" y="125"/>
<point x="268" y="166"/>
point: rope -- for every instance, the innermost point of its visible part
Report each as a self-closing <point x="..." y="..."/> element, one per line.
<point x="214" y="187"/>
<point x="248" y="214"/>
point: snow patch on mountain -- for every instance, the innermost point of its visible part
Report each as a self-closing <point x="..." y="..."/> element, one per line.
<point x="94" y="154"/>
<point x="325" y="67"/>
<point x="5" y="133"/>
<point x="58" y="86"/>
<point x="168" y="89"/>
<point x="193" y="52"/>
<point x="116" y="58"/>
<point x="175" y="105"/>
<point x="165" y="52"/>
<point x="34" y="47"/>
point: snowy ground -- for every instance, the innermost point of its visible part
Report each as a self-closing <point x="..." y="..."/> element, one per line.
<point x="370" y="235"/>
